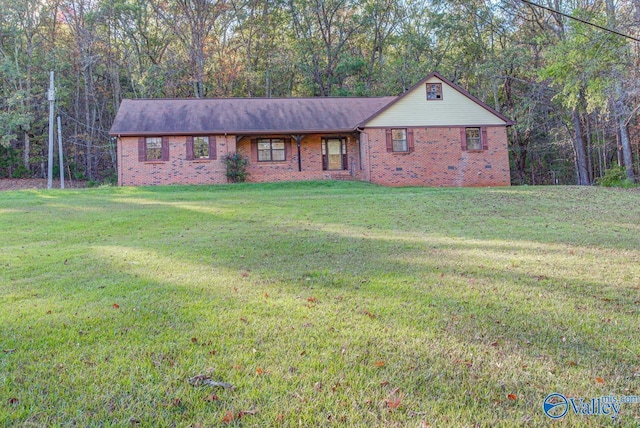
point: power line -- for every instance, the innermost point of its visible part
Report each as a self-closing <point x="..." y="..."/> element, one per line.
<point x="581" y="20"/>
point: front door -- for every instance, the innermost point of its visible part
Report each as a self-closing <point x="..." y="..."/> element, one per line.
<point x="334" y="154"/>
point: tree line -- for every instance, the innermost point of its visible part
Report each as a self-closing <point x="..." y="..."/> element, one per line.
<point x="573" y="89"/>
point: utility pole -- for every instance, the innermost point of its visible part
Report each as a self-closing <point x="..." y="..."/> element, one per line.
<point x="51" y="96"/>
<point x="60" y="154"/>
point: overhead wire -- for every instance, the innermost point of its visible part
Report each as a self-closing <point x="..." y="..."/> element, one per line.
<point x="566" y="15"/>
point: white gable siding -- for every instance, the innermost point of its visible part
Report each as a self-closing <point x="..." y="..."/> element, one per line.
<point x="454" y="109"/>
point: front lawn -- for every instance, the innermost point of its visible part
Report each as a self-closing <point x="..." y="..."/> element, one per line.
<point x="322" y="303"/>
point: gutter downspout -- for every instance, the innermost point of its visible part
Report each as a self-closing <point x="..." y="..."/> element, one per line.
<point x="360" y="132"/>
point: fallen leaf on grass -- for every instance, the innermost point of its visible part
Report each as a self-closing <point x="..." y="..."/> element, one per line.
<point x="394" y="404"/>
<point x="242" y="413"/>
<point x="572" y="363"/>
<point x="369" y="313"/>
<point x="228" y="417"/>
<point x="312" y="299"/>
<point x="216" y="383"/>
<point x="513" y="397"/>
<point x="205" y="380"/>
<point x="467" y="363"/>
<point x="116" y="306"/>
<point x="395" y="400"/>
<point x="13" y="401"/>
<point x="599" y="380"/>
<point x="8" y="351"/>
<point x="211" y="398"/>
<point x="194" y="340"/>
<point x="379" y="364"/>
<point x="261" y="371"/>
<point x="177" y="402"/>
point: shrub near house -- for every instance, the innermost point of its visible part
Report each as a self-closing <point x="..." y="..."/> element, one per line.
<point x="435" y="134"/>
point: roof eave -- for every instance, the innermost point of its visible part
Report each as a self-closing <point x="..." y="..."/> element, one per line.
<point x="232" y="132"/>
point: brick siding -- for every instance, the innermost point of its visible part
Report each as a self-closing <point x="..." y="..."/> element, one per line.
<point x="311" y="154"/>
<point x="437" y="160"/>
<point x="177" y="170"/>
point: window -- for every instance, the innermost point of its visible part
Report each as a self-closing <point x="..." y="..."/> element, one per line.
<point x="201" y="147"/>
<point x="474" y="142"/>
<point x="153" y="148"/>
<point x="434" y="91"/>
<point x="271" y="149"/>
<point x="399" y="140"/>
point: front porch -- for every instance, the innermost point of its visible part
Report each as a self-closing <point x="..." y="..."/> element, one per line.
<point x="301" y="157"/>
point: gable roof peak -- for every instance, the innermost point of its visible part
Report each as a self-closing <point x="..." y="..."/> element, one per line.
<point x="449" y="83"/>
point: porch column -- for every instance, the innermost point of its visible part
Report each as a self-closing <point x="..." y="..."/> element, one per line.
<point x="298" y="139"/>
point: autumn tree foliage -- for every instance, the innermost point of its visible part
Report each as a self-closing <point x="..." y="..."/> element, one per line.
<point x="572" y="89"/>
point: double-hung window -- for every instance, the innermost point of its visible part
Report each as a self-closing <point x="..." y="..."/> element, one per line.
<point x="153" y="148"/>
<point x="399" y="140"/>
<point x="201" y="147"/>
<point x="474" y="138"/>
<point x="271" y="150"/>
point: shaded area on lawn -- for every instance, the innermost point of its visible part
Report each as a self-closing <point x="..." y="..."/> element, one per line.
<point x="315" y="287"/>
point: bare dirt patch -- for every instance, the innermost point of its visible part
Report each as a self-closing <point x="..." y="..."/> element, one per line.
<point x="37" y="183"/>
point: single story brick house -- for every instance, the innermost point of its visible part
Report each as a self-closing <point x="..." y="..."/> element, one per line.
<point x="435" y="134"/>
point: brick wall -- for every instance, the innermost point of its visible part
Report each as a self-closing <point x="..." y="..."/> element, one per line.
<point x="438" y="160"/>
<point x="177" y="170"/>
<point x="311" y="155"/>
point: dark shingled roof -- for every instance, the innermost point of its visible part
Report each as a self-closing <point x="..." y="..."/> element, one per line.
<point x="243" y="115"/>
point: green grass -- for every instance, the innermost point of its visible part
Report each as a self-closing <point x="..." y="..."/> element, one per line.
<point x="317" y="301"/>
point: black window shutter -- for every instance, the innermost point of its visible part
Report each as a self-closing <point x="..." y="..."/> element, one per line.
<point x="142" y="149"/>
